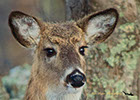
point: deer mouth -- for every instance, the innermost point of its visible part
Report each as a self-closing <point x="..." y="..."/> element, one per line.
<point x="70" y="89"/>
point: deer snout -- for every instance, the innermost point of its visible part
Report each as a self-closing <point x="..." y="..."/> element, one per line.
<point x="76" y="79"/>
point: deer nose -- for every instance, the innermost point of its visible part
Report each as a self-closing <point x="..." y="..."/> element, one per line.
<point x="76" y="79"/>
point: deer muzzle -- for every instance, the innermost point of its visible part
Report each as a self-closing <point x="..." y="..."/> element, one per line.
<point x="77" y="79"/>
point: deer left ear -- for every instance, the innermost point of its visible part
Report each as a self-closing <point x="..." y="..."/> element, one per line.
<point x="99" y="26"/>
<point x="25" y="28"/>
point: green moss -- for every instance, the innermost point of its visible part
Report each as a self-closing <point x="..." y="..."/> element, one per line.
<point x="103" y="47"/>
<point x="133" y="97"/>
<point x="16" y="81"/>
<point x="127" y="27"/>
<point x="125" y="44"/>
<point x="120" y="86"/>
<point x="121" y="14"/>
<point x="124" y="54"/>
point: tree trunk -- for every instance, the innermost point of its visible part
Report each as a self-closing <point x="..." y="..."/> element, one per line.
<point x="76" y="9"/>
<point x="111" y="63"/>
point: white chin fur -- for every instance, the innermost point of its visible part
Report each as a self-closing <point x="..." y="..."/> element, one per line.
<point x="64" y="93"/>
<point x="70" y="89"/>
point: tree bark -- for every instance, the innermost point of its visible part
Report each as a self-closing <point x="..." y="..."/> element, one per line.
<point x="76" y="9"/>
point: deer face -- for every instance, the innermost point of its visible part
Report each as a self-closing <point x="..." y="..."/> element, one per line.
<point x="60" y="48"/>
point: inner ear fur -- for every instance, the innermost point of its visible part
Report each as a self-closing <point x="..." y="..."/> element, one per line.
<point x="98" y="37"/>
<point x="19" y="20"/>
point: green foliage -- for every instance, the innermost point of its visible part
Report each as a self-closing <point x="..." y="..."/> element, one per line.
<point x="3" y="94"/>
<point x="120" y="52"/>
<point x="127" y="27"/>
<point x="16" y="81"/>
<point x="120" y="86"/>
<point x="121" y="14"/>
<point x="103" y="47"/>
<point x="124" y="55"/>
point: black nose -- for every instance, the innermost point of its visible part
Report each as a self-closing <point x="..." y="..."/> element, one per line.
<point x="76" y="79"/>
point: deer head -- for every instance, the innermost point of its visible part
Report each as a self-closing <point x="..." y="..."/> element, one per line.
<point x="58" y="71"/>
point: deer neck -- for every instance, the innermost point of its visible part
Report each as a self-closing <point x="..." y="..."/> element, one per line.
<point x="65" y="97"/>
<point x="34" y="91"/>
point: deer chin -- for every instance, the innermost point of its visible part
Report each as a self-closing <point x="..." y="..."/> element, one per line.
<point x="64" y="93"/>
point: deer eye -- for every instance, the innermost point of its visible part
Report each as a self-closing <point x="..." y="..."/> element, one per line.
<point x="82" y="50"/>
<point x="50" y="52"/>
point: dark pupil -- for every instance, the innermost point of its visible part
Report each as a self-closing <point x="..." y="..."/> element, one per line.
<point x="82" y="51"/>
<point x="50" y="52"/>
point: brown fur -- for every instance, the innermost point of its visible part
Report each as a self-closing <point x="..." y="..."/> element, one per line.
<point x="64" y="36"/>
<point x="66" y="39"/>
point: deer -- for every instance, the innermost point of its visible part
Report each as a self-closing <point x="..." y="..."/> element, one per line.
<point x="59" y="49"/>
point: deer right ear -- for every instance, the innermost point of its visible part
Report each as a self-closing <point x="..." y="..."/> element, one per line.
<point x="99" y="26"/>
<point x="25" y="28"/>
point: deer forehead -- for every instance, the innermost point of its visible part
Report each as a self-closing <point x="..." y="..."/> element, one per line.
<point x="63" y="33"/>
<point x="65" y="38"/>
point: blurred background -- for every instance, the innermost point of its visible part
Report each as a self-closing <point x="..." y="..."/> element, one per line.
<point x="113" y="66"/>
<point x="11" y="53"/>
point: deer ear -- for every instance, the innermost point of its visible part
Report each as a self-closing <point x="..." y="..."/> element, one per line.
<point x="99" y="26"/>
<point x="25" y="28"/>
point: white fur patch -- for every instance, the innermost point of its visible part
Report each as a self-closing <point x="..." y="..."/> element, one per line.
<point x="28" y="27"/>
<point x="62" y="92"/>
<point x="67" y="72"/>
<point x="80" y="70"/>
